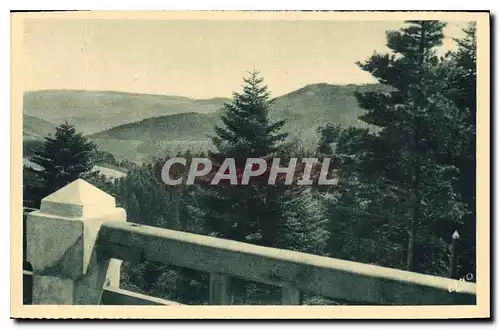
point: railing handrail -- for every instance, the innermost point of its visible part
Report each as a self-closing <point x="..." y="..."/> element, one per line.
<point x="331" y="277"/>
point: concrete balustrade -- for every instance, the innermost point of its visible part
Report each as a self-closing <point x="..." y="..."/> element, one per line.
<point x="61" y="239"/>
<point x="77" y="239"/>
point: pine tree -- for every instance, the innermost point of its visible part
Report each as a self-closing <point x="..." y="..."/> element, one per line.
<point x="399" y="163"/>
<point x="64" y="157"/>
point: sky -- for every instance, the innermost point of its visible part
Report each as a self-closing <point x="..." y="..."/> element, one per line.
<point x="201" y="58"/>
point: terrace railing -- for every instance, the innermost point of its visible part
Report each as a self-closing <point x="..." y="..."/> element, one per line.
<point x="78" y="239"/>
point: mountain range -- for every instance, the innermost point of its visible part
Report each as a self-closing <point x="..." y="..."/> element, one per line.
<point x="95" y="111"/>
<point x="139" y="127"/>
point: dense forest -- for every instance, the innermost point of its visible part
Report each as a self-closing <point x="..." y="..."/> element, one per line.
<point x="405" y="184"/>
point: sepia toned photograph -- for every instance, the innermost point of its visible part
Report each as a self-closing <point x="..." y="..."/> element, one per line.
<point x="250" y="165"/>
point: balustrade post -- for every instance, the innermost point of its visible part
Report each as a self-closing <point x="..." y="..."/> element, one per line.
<point x="61" y="240"/>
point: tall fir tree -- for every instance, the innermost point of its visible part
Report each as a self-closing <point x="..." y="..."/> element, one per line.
<point x="247" y="130"/>
<point x="258" y="213"/>
<point x="398" y="163"/>
<point x="279" y="215"/>
<point x="64" y="157"/>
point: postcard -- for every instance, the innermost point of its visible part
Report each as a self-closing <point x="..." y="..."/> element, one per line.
<point x="250" y="165"/>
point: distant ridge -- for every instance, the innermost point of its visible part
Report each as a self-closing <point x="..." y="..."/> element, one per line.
<point x="111" y="108"/>
<point x="178" y="127"/>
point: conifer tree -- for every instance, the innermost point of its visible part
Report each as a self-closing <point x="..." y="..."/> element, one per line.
<point x="256" y="213"/>
<point x="400" y="161"/>
<point x="279" y="215"/>
<point x="64" y="157"/>
<point x="247" y="131"/>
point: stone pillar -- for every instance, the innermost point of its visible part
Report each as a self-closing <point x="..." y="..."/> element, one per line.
<point x="61" y="240"/>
